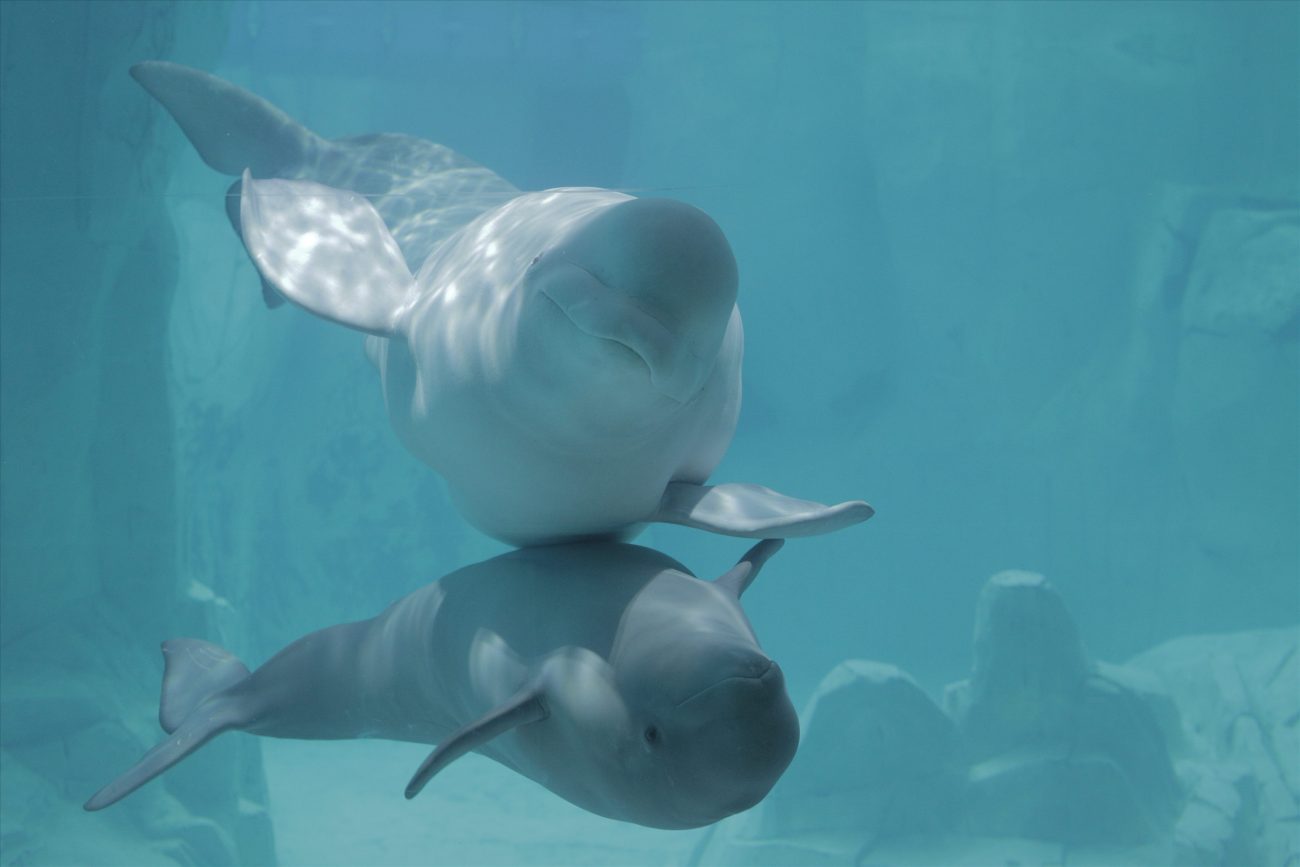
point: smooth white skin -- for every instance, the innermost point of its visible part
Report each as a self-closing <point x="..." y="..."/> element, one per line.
<point x="543" y="431"/>
<point x="573" y="395"/>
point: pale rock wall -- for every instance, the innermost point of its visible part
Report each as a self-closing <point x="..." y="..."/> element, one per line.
<point x="89" y="268"/>
<point x="1185" y="755"/>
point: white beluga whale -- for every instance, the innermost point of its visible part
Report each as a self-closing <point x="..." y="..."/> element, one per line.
<point x="604" y="671"/>
<point x="568" y="360"/>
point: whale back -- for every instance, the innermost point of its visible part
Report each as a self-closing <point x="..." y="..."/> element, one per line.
<point x="584" y="589"/>
<point x="424" y="191"/>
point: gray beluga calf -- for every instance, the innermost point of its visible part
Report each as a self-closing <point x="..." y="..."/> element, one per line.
<point x="568" y="360"/>
<point x="604" y="671"/>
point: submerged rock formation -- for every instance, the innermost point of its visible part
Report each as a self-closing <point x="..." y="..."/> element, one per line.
<point x="902" y="773"/>
<point x="1185" y="756"/>
<point x="1239" y="697"/>
<point x="89" y="557"/>
<point x="1061" y="751"/>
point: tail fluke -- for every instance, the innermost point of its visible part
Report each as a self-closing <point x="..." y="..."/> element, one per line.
<point x="231" y="128"/>
<point x="195" y="670"/>
<point x="196" y="689"/>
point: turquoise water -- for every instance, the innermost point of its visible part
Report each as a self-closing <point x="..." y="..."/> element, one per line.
<point x="1023" y="276"/>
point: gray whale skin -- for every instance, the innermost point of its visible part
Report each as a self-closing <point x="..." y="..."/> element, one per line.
<point x="604" y="671"/>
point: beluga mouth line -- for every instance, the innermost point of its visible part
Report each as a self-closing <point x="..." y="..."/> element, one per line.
<point x="601" y="311"/>
<point x="764" y="674"/>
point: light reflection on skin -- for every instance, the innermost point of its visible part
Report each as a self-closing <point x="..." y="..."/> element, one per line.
<point x="518" y="348"/>
<point x="557" y="403"/>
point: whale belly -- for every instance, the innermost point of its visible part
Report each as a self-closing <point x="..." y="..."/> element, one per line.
<point x="525" y="490"/>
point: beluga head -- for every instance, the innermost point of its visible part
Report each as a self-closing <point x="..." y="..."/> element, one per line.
<point x="654" y="277"/>
<point x="710" y="709"/>
<point x="713" y="739"/>
<point x="684" y="723"/>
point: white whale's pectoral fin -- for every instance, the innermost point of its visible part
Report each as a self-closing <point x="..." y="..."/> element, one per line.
<point x="754" y="511"/>
<point x="326" y="250"/>
<point x="526" y="706"/>
<point x="270" y="296"/>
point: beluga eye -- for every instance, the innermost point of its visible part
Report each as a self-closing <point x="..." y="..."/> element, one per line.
<point x="651" y="735"/>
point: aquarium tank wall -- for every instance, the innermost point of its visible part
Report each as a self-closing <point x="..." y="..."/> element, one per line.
<point x="1025" y="276"/>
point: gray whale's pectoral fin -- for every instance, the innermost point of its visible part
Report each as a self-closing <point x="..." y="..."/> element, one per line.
<point x="737" y="579"/>
<point x="201" y="684"/>
<point x="753" y="511"/>
<point x="326" y="250"/>
<point x="525" y="707"/>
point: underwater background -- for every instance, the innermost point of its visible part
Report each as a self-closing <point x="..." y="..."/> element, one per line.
<point x="1025" y="276"/>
